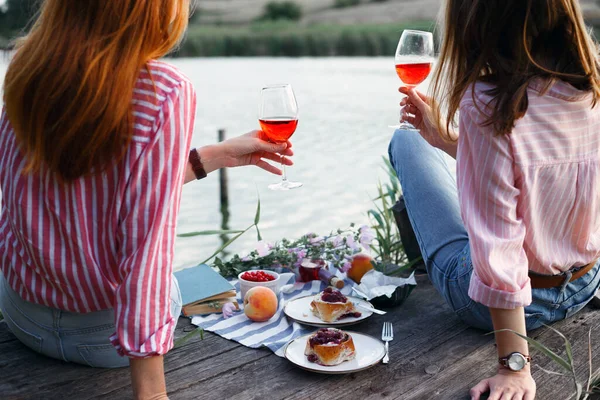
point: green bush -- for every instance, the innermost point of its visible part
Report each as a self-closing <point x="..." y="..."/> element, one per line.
<point x="345" y="3"/>
<point x="286" y="10"/>
<point x="288" y="39"/>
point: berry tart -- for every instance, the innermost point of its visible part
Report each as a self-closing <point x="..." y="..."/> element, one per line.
<point x="329" y="346"/>
<point x="331" y="305"/>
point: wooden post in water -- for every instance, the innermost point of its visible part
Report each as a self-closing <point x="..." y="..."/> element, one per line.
<point x="224" y="191"/>
<point x="224" y="196"/>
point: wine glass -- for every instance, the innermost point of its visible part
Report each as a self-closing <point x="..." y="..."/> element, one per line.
<point x="278" y="117"/>
<point x="414" y="60"/>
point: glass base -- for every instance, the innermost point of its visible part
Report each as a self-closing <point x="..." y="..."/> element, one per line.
<point x="285" y="185"/>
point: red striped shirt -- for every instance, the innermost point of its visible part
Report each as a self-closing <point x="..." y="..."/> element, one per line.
<point x="106" y="240"/>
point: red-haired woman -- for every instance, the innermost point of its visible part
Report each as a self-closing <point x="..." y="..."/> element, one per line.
<point x="94" y="149"/>
<point x="514" y="242"/>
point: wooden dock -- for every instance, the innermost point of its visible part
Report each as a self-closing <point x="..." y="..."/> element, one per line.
<point x="433" y="356"/>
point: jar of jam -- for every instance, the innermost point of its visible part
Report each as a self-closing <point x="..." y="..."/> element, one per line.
<point x="309" y="269"/>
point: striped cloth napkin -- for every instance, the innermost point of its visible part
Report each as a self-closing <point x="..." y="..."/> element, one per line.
<point x="276" y="332"/>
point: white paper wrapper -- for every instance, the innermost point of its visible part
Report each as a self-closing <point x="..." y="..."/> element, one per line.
<point x="374" y="284"/>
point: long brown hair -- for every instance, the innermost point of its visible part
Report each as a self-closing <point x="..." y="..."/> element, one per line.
<point x="509" y="43"/>
<point x="69" y="88"/>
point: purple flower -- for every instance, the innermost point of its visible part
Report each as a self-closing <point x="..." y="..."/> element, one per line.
<point x="351" y="243"/>
<point x="366" y="236"/>
<point x="228" y="310"/>
<point x="336" y="241"/>
<point x="316" y="240"/>
<point x="346" y="267"/>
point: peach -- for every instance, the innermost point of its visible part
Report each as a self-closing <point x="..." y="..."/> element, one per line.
<point x="260" y="304"/>
<point x="361" y="264"/>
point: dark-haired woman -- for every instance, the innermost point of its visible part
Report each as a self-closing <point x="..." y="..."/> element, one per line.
<point x="513" y="243"/>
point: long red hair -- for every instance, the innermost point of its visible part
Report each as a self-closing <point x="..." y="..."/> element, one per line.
<point x="69" y="88"/>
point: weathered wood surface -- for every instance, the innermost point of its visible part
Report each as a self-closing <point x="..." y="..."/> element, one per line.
<point x="433" y="356"/>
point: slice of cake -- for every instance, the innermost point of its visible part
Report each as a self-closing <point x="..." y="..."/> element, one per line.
<point x="329" y="346"/>
<point x="331" y="305"/>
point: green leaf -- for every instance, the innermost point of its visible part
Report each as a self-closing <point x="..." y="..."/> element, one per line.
<point x="190" y="335"/>
<point x="377" y="216"/>
<point x="257" y="216"/>
<point x="258" y="235"/>
<point x="579" y="390"/>
<point x="220" y="249"/>
<point x="555" y="357"/>
<point x="567" y="345"/>
<point x="212" y="232"/>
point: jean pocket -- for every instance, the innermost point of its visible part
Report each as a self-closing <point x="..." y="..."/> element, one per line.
<point x="534" y="320"/>
<point x="579" y="293"/>
<point x="101" y="356"/>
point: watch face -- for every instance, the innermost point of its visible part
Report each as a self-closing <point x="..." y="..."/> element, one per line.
<point x="516" y="362"/>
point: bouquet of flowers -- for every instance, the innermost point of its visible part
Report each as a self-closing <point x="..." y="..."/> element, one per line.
<point x="336" y="249"/>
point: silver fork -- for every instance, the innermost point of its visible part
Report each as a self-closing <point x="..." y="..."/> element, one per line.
<point x="386" y="335"/>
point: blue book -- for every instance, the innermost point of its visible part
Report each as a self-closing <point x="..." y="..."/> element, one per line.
<point x="204" y="290"/>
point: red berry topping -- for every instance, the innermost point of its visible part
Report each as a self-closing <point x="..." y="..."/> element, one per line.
<point x="326" y="335"/>
<point x="331" y="295"/>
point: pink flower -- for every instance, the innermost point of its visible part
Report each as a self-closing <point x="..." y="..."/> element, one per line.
<point x="263" y="248"/>
<point x="346" y="267"/>
<point x="228" y="310"/>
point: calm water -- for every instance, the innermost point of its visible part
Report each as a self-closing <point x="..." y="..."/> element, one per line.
<point x="346" y="105"/>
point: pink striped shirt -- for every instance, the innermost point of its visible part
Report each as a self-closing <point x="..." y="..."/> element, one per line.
<point x="107" y="240"/>
<point x="529" y="200"/>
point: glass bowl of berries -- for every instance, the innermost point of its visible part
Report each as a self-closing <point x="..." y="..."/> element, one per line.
<point x="258" y="277"/>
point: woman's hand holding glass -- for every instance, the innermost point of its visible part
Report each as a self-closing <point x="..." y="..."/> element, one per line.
<point x="252" y="149"/>
<point x="247" y="149"/>
<point x="417" y="111"/>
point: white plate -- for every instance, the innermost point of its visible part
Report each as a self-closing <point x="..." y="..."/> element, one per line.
<point x="369" y="352"/>
<point x="299" y="310"/>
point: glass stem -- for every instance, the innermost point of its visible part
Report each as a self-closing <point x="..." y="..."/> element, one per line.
<point x="284" y="174"/>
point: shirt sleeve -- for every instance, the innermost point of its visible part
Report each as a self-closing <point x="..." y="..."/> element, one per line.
<point x="146" y="233"/>
<point x="488" y="201"/>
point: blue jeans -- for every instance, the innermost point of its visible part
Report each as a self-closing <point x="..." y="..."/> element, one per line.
<point x="431" y="199"/>
<point x="66" y="336"/>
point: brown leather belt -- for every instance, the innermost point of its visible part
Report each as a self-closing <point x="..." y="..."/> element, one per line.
<point x="550" y="281"/>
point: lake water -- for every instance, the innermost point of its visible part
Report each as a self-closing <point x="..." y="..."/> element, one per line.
<point x="346" y="105"/>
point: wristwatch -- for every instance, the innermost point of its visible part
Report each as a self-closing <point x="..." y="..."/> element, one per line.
<point x="514" y="361"/>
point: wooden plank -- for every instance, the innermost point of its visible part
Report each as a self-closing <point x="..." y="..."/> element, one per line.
<point x="23" y="365"/>
<point x="5" y="334"/>
<point x="453" y="383"/>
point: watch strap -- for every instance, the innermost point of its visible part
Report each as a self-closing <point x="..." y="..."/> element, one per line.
<point x="196" y="164"/>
